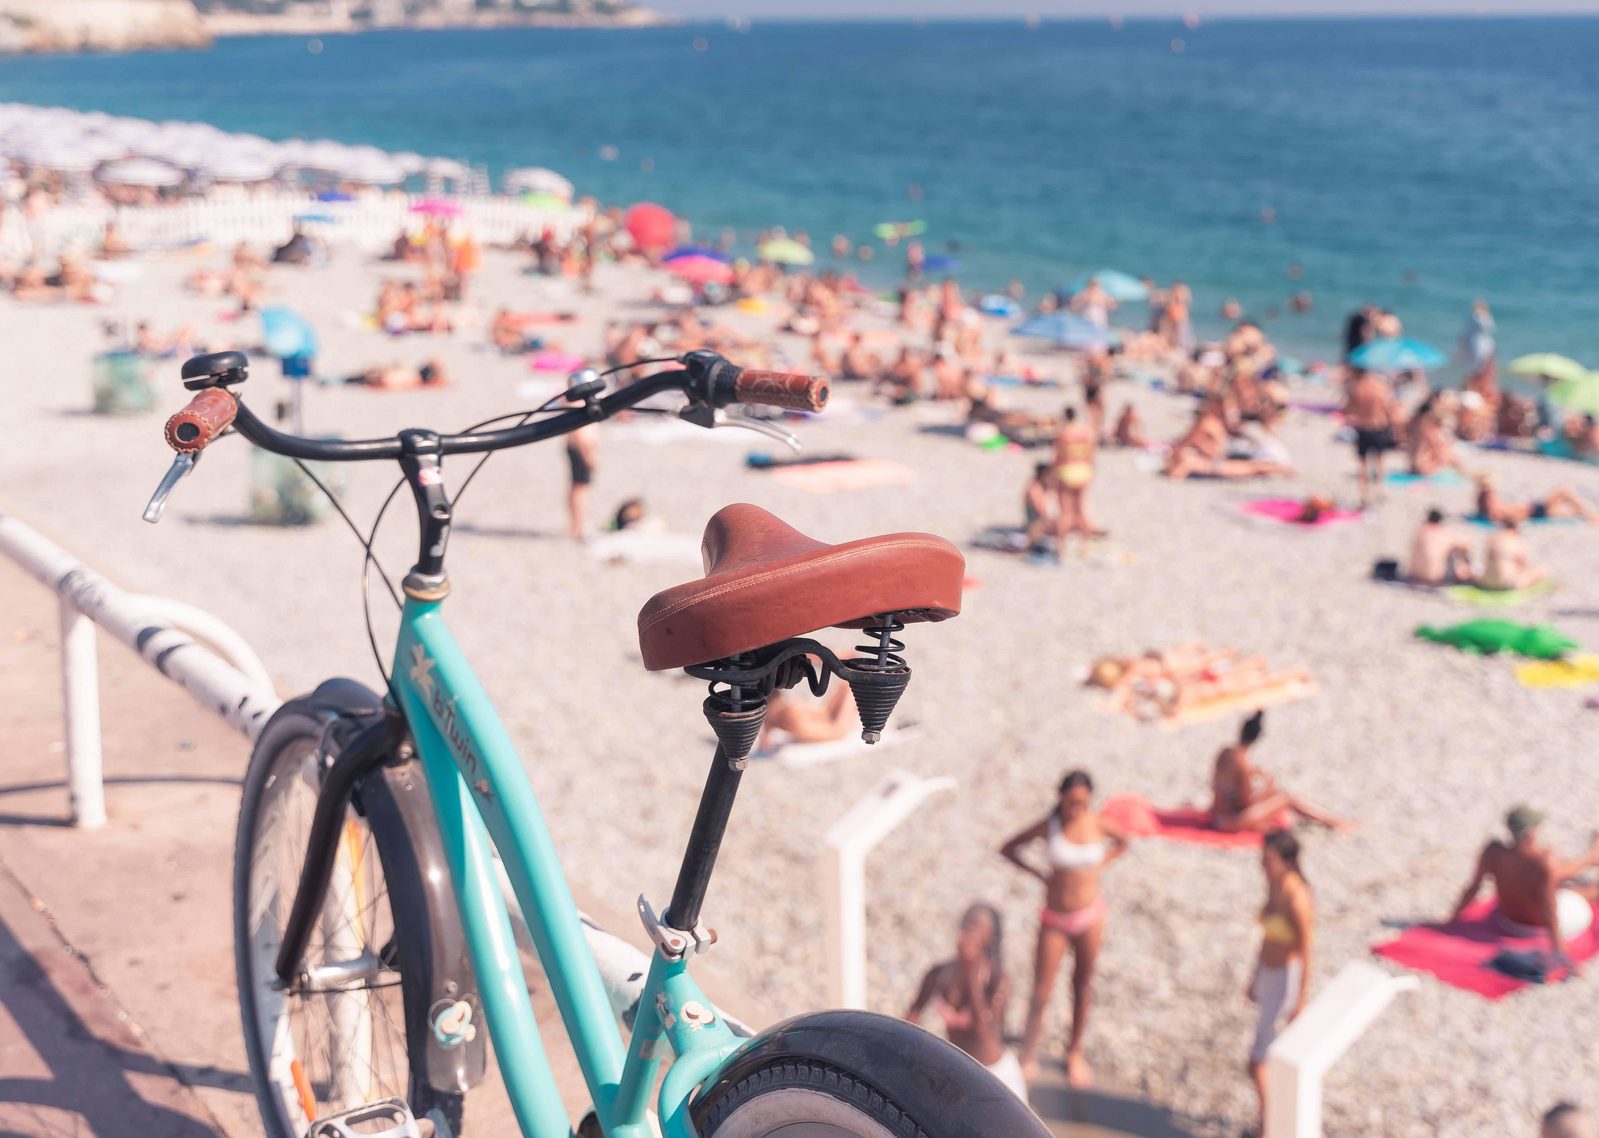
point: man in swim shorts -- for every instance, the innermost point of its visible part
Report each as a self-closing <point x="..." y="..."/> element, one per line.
<point x="1374" y="414"/>
<point x="1537" y="891"/>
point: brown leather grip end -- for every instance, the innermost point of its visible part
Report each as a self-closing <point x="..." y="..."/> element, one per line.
<point x="782" y="389"/>
<point x="196" y="426"/>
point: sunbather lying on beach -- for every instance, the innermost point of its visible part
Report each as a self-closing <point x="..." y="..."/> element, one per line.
<point x="1203" y="451"/>
<point x="1165" y="686"/>
<point x="1558" y="503"/>
<point x="1537" y="891"/>
<point x="1438" y="555"/>
<point x="804" y="720"/>
<point x="1245" y="798"/>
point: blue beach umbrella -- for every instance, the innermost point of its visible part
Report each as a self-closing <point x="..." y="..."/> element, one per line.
<point x="1119" y="286"/>
<point x="1065" y="330"/>
<point x="285" y="334"/>
<point x="1401" y="354"/>
<point x="997" y="304"/>
<point x="697" y="251"/>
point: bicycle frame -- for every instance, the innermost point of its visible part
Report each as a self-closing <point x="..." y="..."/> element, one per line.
<point x="480" y="792"/>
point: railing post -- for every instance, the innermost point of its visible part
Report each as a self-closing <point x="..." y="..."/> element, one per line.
<point x="80" y="711"/>
<point x="843" y="870"/>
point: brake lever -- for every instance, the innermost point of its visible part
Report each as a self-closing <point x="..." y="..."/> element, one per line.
<point x="182" y="464"/>
<point x="704" y="415"/>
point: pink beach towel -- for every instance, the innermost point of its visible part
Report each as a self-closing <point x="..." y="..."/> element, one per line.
<point x="1288" y="510"/>
<point x="554" y="360"/>
<point x="1458" y="953"/>
<point x="1189" y="824"/>
<point x="832" y="477"/>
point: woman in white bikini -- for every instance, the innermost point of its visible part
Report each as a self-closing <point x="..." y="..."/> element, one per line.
<point x="1078" y="844"/>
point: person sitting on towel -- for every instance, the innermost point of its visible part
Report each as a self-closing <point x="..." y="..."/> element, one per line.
<point x="1536" y="890"/>
<point x="1245" y="798"/>
<point x="1438" y="555"/>
<point x="1505" y="562"/>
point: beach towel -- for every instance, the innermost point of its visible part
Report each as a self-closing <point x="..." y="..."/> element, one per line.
<point x="1490" y="637"/>
<point x="1459" y="953"/>
<point x="1234" y="704"/>
<point x="1288" y="510"/>
<point x="1573" y="672"/>
<point x="1437" y="478"/>
<point x="1497" y="598"/>
<point x="835" y="477"/>
<point x="554" y="360"/>
<point x="636" y="547"/>
<point x="1489" y="523"/>
<point x="1135" y="817"/>
<point x="799" y="755"/>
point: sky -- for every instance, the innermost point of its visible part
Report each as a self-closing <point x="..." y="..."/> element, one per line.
<point x="867" y="9"/>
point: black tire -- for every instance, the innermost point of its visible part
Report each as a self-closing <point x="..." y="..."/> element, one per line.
<point x="857" y="1075"/>
<point x="386" y="1058"/>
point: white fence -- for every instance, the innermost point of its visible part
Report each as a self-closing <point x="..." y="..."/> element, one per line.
<point x="368" y="223"/>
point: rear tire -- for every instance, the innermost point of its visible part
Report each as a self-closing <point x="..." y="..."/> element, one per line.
<point x="846" y="1074"/>
<point x="351" y="1045"/>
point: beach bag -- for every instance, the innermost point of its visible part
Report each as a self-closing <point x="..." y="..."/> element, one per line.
<point x="1519" y="964"/>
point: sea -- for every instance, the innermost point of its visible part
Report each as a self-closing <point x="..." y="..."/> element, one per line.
<point x="1415" y="163"/>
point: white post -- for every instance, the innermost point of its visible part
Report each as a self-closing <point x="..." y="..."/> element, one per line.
<point x="1301" y="1056"/>
<point x="843" y="867"/>
<point x="80" y="711"/>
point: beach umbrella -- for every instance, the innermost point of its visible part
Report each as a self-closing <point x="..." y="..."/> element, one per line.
<point x="697" y="251"/>
<point x="1119" y="286"/>
<point x="997" y="304"/>
<point x="409" y="161"/>
<point x="437" y="207"/>
<point x="1065" y="330"/>
<point x="537" y="180"/>
<point x="785" y="251"/>
<point x="334" y="196"/>
<point x="941" y="263"/>
<point x="651" y="226"/>
<point x="701" y="270"/>
<point x="1579" y="393"/>
<point x="285" y="333"/>
<point x="1549" y="364"/>
<point x="139" y="172"/>
<point x="238" y="166"/>
<point x="1401" y="354"/>
<point x="373" y="171"/>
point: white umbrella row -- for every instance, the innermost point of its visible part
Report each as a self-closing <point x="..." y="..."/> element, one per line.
<point x="138" y="152"/>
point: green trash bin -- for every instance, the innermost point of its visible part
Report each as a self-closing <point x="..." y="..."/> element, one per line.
<point x="281" y="494"/>
<point x="119" y="384"/>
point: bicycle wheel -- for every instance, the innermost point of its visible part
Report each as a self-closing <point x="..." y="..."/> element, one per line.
<point x="344" y="1044"/>
<point x="856" y="1075"/>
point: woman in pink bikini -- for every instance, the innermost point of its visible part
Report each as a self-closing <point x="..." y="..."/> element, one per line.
<point x="1078" y="844"/>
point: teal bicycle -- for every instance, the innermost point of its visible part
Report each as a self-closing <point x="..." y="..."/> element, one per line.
<point x="373" y="942"/>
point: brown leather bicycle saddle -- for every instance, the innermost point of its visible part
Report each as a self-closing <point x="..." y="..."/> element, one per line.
<point x="765" y="582"/>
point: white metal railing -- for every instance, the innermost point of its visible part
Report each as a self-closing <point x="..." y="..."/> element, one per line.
<point x="159" y="631"/>
<point x="1301" y="1055"/>
<point x="368" y="223"/>
<point x="843" y="875"/>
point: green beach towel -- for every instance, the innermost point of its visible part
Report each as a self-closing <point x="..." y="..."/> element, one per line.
<point x="1497" y="598"/>
<point x="1488" y="637"/>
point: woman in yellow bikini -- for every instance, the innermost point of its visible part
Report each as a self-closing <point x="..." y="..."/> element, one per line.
<point x="1280" y="984"/>
<point x="1074" y="470"/>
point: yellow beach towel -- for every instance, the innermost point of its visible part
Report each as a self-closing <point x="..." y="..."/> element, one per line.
<point x="1576" y="672"/>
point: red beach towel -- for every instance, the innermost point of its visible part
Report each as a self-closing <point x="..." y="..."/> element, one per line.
<point x="1458" y="953"/>
<point x="1136" y="817"/>
<point x="1288" y="511"/>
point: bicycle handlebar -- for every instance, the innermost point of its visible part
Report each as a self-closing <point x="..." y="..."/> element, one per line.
<point x="705" y="378"/>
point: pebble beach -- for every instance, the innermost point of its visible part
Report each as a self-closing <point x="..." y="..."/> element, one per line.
<point x="1424" y="746"/>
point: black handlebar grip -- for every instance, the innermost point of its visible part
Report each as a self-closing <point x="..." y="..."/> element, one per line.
<point x="195" y="427"/>
<point x="782" y="389"/>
